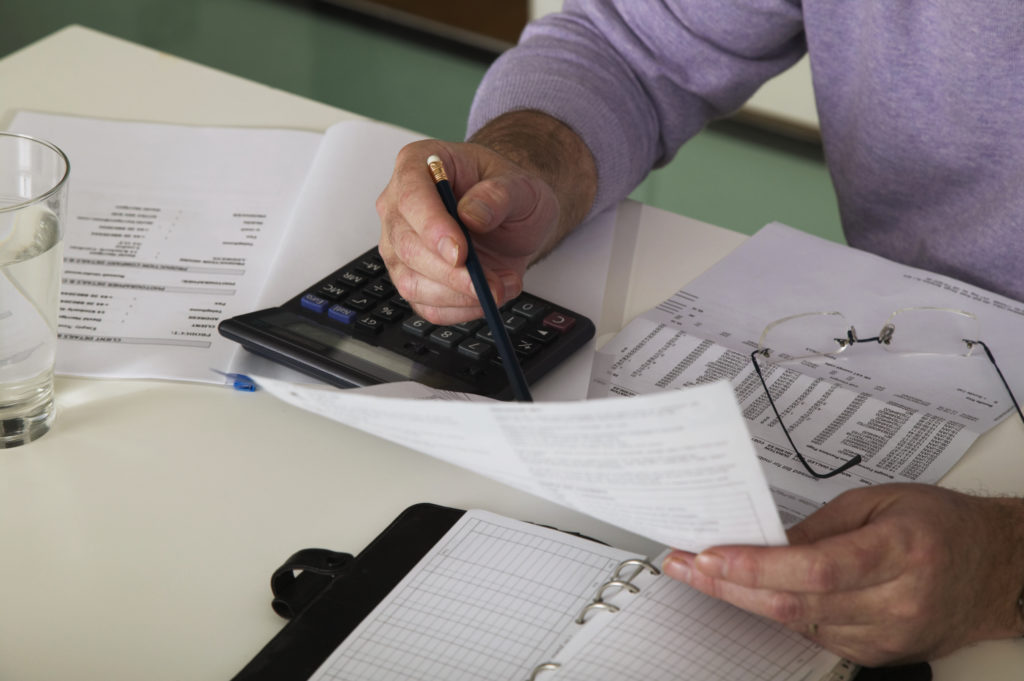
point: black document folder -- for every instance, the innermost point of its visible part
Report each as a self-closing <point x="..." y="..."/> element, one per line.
<point x="333" y="592"/>
<point x="444" y="593"/>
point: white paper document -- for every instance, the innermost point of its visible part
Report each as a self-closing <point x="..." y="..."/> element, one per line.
<point x="909" y="416"/>
<point x="677" y="467"/>
<point x="168" y="230"/>
<point x="171" y="229"/>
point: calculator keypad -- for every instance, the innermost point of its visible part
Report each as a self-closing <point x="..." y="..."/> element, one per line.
<point x="360" y="300"/>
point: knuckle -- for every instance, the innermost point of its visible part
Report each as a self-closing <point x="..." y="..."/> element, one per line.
<point x="931" y="549"/>
<point x="456" y="278"/>
<point x="494" y="191"/>
<point x="909" y="609"/>
<point x="383" y="202"/>
<point x="708" y="585"/>
<point x="823" y="573"/>
<point x="412" y="152"/>
<point x="404" y="199"/>
<point x="406" y="246"/>
<point x="714" y="588"/>
<point x="407" y="283"/>
<point x="747" y="568"/>
<point x="785" y="607"/>
<point x="387" y="253"/>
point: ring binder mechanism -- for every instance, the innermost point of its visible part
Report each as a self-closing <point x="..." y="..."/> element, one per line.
<point x="615" y="583"/>
<point x="640" y="566"/>
<point x="619" y="582"/>
<point x="595" y="605"/>
<point x="438" y="594"/>
<point x="546" y="667"/>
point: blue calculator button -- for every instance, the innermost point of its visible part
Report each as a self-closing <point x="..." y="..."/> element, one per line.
<point x="315" y="303"/>
<point x="343" y="314"/>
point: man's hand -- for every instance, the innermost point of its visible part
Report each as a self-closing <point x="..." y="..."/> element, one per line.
<point x="522" y="183"/>
<point x="881" y="575"/>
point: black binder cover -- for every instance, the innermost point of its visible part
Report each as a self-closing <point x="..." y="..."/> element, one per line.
<point x="327" y="601"/>
<point x="344" y="600"/>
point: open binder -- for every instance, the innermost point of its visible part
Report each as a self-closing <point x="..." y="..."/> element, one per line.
<point x="448" y="594"/>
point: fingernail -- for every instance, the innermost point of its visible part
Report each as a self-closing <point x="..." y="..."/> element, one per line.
<point x="711" y="564"/>
<point x="449" y="250"/>
<point x="677" y="567"/>
<point x="510" y="284"/>
<point x="476" y="211"/>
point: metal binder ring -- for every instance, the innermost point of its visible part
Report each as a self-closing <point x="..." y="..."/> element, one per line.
<point x="640" y="566"/>
<point x="618" y="584"/>
<point x="596" y="605"/>
<point x="546" y="667"/>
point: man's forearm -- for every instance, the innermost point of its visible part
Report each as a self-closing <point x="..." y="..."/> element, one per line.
<point x="1007" y="561"/>
<point x="548" y="148"/>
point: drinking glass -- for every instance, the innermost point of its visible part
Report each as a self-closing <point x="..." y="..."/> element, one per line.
<point x="33" y="192"/>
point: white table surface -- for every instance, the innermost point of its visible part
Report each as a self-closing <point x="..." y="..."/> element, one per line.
<point x="137" y="539"/>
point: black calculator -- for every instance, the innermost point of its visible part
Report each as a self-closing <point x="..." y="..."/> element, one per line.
<point x="352" y="329"/>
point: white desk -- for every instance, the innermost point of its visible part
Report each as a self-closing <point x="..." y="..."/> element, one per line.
<point x="137" y="539"/>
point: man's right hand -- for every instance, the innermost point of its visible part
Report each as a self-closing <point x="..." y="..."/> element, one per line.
<point x="512" y="198"/>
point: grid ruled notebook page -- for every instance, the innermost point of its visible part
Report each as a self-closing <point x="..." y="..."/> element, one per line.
<point x="493" y="598"/>
<point x="671" y="631"/>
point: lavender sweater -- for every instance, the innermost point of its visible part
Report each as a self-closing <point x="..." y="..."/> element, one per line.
<point x="921" y="104"/>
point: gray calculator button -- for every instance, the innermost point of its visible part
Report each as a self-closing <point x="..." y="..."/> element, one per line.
<point x="513" y="322"/>
<point x="446" y="336"/>
<point x="417" y="326"/>
<point x="475" y="348"/>
<point x="531" y="309"/>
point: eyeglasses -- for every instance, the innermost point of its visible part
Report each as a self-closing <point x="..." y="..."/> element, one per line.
<point x="922" y="330"/>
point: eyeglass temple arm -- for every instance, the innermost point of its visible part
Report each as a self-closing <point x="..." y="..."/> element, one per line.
<point x="821" y="476"/>
<point x="1002" y="378"/>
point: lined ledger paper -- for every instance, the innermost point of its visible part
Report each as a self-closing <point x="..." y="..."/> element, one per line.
<point x="492" y="597"/>
<point x="496" y="598"/>
<point x="671" y="631"/>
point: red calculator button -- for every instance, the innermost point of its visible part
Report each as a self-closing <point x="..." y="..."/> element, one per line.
<point x="560" y="321"/>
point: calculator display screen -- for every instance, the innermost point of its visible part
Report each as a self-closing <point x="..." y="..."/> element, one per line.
<point x="403" y="366"/>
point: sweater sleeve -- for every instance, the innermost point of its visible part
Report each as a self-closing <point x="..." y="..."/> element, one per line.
<point x="637" y="78"/>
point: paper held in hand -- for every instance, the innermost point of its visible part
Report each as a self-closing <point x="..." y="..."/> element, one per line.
<point x="677" y="467"/>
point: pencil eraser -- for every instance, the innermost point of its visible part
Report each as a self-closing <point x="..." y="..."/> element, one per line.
<point x="433" y="158"/>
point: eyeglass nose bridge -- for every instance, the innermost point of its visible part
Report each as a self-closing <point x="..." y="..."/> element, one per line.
<point x="884" y="336"/>
<point x="851" y="338"/>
